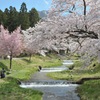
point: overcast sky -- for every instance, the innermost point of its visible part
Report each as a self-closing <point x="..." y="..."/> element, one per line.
<point x="38" y="4"/>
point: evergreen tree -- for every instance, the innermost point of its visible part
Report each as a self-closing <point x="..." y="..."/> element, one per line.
<point x="1" y="13"/>
<point x="3" y="17"/>
<point x="23" y="8"/>
<point x="33" y="17"/>
<point x="12" y="19"/>
<point x="5" y="20"/>
<point x="24" y="17"/>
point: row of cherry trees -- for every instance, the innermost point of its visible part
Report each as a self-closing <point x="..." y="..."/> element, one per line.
<point x="17" y="42"/>
<point x="33" y="40"/>
<point x="51" y="36"/>
<point x="71" y="24"/>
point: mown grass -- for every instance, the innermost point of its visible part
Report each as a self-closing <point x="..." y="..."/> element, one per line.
<point x="90" y="90"/>
<point x="22" y="69"/>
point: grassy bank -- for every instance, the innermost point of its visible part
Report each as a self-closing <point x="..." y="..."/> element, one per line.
<point x="77" y="72"/>
<point x="22" y="69"/>
<point x="9" y="90"/>
<point x="90" y="90"/>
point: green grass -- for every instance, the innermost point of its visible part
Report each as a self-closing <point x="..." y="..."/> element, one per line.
<point x="77" y="74"/>
<point x="9" y="90"/>
<point x="90" y="90"/>
<point x="22" y="69"/>
<point x="68" y="74"/>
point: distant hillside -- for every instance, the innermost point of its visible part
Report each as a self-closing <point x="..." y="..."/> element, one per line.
<point x="43" y="13"/>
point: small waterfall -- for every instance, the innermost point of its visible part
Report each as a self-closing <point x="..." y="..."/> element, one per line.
<point x="60" y="68"/>
<point x="67" y="62"/>
<point x="54" y="90"/>
<point x="49" y="83"/>
<point x="53" y="69"/>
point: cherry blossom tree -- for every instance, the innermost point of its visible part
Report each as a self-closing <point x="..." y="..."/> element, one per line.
<point x="10" y="43"/>
<point x="81" y="19"/>
<point x="83" y="16"/>
<point x="30" y="45"/>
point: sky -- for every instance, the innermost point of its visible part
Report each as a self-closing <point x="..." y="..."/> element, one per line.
<point x="38" y="4"/>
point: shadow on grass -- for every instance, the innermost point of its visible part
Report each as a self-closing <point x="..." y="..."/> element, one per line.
<point x="26" y="60"/>
<point x="3" y="66"/>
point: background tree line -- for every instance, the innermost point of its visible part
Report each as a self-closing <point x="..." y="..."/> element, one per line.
<point x="11" y="18"/>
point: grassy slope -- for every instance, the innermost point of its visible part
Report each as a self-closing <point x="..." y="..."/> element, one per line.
<point x="22" y="69"/>
<point x="90" y="90"/>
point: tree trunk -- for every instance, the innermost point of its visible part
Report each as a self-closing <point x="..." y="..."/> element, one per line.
<point x="84" y="7"/>
<point x="30" y="57"/>
<point x="10" y="61"/>
<point x="84" y="2"/>
<point x="99" y="56"/>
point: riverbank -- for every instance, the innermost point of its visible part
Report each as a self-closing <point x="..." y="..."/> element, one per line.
<point x="22" y="69"/>
<point x="87" y="76"/>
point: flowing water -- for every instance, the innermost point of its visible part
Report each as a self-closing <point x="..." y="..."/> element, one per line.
<point x="53" y="89"/>
<point x="60" y="68"/>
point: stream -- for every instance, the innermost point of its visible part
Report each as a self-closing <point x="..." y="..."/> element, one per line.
<point x="53" y="89"/>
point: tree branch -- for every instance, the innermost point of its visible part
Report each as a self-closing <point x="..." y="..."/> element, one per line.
<point x="82" y="34"/>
